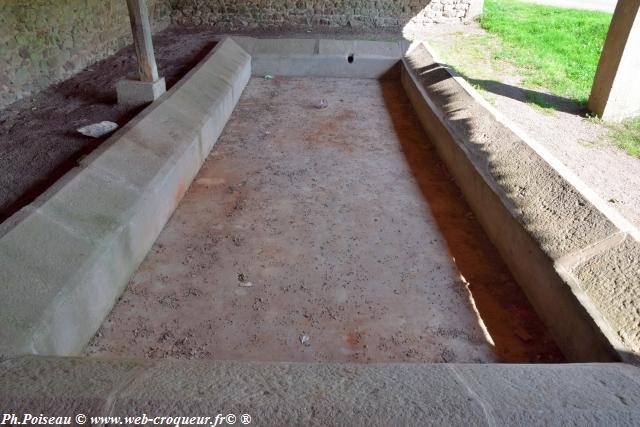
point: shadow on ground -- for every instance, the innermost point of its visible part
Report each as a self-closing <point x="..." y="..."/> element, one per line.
<point x="528" y="96"/>
<point x="517" y="332"/>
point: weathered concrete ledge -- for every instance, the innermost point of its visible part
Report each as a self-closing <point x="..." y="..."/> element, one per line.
<point x="65" y="259"/>
<point x="323" y="58"/>
<point x="577" y="260"/>
<point x="326" y="394"/>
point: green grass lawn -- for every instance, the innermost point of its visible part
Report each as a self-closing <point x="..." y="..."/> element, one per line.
<point x="557" y="49"/>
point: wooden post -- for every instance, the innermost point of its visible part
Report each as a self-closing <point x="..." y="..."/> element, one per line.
<point x="141" y="30"/>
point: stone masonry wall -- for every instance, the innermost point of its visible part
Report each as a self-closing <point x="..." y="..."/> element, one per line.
<point x="238" y="14"/>
<point x="46" y="41"/>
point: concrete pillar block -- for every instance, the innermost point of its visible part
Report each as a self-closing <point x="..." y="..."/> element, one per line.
<point x="136" y="92"/>
<point x="615" y="95"/>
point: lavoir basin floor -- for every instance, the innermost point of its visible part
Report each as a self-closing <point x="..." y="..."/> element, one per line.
<point x="324" y="228"/>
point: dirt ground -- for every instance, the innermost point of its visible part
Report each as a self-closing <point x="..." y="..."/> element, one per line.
<point x="324" y="234"/>
<point x="581" y="144"/>
<point x="38" y="138"/>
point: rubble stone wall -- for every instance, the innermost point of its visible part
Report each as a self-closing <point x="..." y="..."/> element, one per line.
<point x="238" y="14"/>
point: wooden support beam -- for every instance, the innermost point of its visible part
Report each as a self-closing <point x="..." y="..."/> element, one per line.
<point x="141" y="30"/>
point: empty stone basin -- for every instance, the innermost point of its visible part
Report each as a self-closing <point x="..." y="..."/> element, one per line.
<point x="324" y="228"/>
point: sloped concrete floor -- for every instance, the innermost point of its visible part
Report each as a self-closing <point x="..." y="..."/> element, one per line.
<point x="339" y="225"/>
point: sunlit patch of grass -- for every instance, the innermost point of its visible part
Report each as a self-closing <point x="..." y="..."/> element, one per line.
<point x="554" y="48"/>
<point x="626" y="136"/>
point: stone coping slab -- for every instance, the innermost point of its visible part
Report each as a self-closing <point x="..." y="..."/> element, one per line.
<point x="325" y="394"/>
<point x="65" y="259"/>
<point x="576" y="258"/>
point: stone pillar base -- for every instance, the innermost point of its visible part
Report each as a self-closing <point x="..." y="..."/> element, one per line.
<point x="135" y="92"/>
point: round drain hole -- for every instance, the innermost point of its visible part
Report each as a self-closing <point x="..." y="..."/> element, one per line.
<point x="350" y="58"/>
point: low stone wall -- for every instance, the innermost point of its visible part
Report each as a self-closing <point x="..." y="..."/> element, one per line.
<point x="576" y="258"/>
<point x="44" y="41"/>
<point x="87" y="236"/>
<point x="240" y="14"/>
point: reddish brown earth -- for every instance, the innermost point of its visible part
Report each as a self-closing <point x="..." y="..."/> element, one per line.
<point x="320" y="235"/>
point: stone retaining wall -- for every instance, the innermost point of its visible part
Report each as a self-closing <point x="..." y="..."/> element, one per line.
<point x="238" y="14"/>
<point x="576" y="258"/>
<point x="45" y="41"/>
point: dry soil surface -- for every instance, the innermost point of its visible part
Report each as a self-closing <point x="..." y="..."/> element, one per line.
<point x="324" y="234"/>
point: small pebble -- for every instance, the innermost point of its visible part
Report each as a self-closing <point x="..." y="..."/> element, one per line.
<point x="321" y="104"/>
<point x="304" y="340"/>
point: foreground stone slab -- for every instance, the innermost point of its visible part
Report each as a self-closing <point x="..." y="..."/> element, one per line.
<point x="65" y="259"/>
<point x="577" y="259"/>
<point x="325" y="394"/>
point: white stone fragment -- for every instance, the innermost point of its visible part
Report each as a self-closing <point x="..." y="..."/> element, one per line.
<point x="97" y="130"/>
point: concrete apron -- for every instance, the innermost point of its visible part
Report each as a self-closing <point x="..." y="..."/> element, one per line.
<point x="65" y="259"/>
